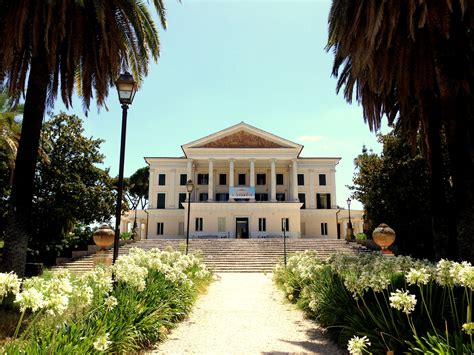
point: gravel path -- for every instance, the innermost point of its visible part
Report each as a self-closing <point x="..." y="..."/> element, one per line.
<point x="245" y="314"/>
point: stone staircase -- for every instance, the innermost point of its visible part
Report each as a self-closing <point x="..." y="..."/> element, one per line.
<point x="236" y="255"/>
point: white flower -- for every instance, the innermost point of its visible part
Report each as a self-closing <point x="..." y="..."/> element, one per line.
<point x="30" y="298"/>
<point x="468" y="328"/>
<point x="403" y="301"/>
<point x="102" y="343"/>
<point x="418" y="276"/>
<point x="128" y="272"/>
<point x="9" y="282"/>
<point x="110" y="302"/>
<point x="357" y="345"/>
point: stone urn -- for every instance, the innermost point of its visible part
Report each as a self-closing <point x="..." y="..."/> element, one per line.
<point x="384" y="236"/>
<point x="104" y="237"/>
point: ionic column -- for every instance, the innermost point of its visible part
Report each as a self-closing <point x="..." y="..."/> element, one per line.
<point x="231" y="176"/>
<point x="210" y="186"/>
<point x="312" y="196"/>
<point x="252" y="174"/>
<point x="294" y="181"/>
<point x="273" y="181"/>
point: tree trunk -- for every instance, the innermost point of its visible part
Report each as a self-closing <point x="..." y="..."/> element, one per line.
<point x="18" y="228"/>
<point x="442" y="216"/>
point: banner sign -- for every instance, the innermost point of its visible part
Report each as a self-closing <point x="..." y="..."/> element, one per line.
<point x="242" y="192"/>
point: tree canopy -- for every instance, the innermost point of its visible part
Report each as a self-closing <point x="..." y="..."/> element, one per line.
<point x="412" y="61"/>
<point x="54" y="47"/>
<point x="69" y="188"/>
<point x="394" y="189"/>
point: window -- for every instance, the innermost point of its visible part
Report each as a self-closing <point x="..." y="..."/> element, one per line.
<point x="285" y="224"/>
<point x="322" y="179"/>
<point x="182" y="179"/>
<point x="160" y="228"/>
<point x="221" y="197"/>
<point x="160" y="200"/>
<point x="261" y="179"/>
<point x="161" y="179"/>
<point x="302" y="198"/>
<point x="323" y="201"/>
<point x="203" y="179"/>
<point x="221" y="224"/>
<point x="301" y="179"/>
<point x="280" y="196"/>
<point x="262" y="224"/>
<point x="279" y="179"/>
<point x="261" y="197"/>
<point x="198" y="224"/>
<point x="222" y="179"/>
<point x="324" y="229"/>
<point x="181" y="200"/>
<point x="203" y="196"/>
<point x="241" y="179"/>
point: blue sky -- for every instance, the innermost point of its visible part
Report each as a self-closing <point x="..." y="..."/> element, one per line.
<point x="222" y="62"/>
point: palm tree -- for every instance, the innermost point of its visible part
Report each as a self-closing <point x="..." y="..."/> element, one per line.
<point x="413" y="62"/>
<point x="10" y="129"/>
<point x="50" y="47"/>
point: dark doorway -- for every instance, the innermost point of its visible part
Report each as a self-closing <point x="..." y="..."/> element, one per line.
<point x="242" y="228"/>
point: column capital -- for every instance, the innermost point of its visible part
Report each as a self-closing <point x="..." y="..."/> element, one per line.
<point x="211" y="159"/>
<point x="252" y="160"/>
<point x="294" y="160"/>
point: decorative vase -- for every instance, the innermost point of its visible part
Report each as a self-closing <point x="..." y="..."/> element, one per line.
<point x="384" y="236"/>
<point x="104" y="237"/>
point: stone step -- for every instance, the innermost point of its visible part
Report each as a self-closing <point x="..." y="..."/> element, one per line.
<point x="232" y="255"/>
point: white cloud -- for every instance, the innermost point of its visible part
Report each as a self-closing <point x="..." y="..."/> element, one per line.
<point x="310" y="138"/>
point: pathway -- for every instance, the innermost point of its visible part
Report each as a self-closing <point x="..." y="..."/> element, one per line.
<point x="245" y="314"/>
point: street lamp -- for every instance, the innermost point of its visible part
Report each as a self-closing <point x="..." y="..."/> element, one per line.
<point x="189" y="188"/>
<point x="126" y="88"/>
<point x="349" y="225"/>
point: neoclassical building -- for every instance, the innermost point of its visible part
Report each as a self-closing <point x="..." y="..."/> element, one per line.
<point x="248" y="183"/>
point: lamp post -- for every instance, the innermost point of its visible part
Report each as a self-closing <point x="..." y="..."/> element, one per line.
<point x="283" y="226"/>
<point x="349" y="225"/>
<point x="189" y="188"/>
<point x="126" y="88"/>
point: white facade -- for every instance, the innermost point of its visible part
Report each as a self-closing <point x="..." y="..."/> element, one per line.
<point x="267" y="171"/>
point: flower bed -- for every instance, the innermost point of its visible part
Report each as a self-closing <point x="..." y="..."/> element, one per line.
<point x="372" y="303"/>
<point x="90" y="313"/>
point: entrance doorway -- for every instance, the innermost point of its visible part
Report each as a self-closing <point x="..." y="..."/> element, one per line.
<point x="242" y="228"/>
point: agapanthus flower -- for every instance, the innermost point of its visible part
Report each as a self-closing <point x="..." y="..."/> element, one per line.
<point x="403" y="301"/>
<point x="30" y="298"/>
<point x="357" y="345"/>
<point x="110" y="302"/>
<point x="102" y="343"/>
<point x="9" y="282"/>
<point x="419" y="276"/>
<point x="468" y="328"/>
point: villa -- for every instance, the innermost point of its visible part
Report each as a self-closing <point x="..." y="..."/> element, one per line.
<point x="248" y="183"/>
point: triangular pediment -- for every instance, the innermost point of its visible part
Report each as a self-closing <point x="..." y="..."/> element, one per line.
<point x="243" y="136"/>
<point x="241" y="139"/>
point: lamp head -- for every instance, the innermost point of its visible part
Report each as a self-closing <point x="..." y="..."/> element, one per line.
<point x="189" y="186"/>
<point x="126" y="88"/>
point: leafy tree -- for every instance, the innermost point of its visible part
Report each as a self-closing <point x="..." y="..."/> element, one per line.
<point x="412" y="61"/>
<point x="56" y="46"/>
<point x="69" y="188"/>
<point x="136" y="190"/>
<point x="394" y="189"/>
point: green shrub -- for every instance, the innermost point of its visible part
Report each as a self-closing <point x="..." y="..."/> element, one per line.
<point x="126" y="235"/>
<point x="361" y="236"/>
<point x="398" y="303"/>
<point x="84" y="314"/>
